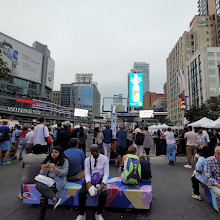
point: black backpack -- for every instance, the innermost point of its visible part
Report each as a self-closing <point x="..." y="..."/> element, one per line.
<point x="139" y="138"/>
<point x="3" y="134"/>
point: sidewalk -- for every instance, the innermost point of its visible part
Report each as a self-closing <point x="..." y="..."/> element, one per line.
<point x="171" y="197"/>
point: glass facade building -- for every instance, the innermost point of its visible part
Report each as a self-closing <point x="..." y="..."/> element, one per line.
<point x="81" y="96"/>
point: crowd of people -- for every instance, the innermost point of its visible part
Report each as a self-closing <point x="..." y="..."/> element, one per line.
<point x="56" y="156"/>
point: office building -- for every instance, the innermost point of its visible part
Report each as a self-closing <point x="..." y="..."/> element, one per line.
<point x="202" y="32"/>
<point x="155" y="101"/>
<point x="82" y="94"/>
<point x="31" y="77"/>
<point x="142" y="67"/>
<point x="203" y="70"/>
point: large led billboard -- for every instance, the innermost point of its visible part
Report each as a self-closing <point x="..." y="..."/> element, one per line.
<point x="81" y="112"/>
<point x="146" y="113"/>
<point x="23" y="61"/>
<point x="136" y="89"/>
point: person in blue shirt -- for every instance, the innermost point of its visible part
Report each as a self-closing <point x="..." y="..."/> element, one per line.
<point x="122" y="147"/>
<point x="15" y="140"/>
<point x="199" y="177"/>
<point x="5" y="144"/>
<point x="76" y="159"/>
<point x="107" y="141"/>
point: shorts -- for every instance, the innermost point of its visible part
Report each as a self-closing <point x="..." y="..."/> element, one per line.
<point x="147" y="150"/>
<point x="121" y="150"/>
<point x="5" y="145"/>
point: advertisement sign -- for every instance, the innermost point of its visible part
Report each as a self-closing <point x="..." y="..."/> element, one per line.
<point x="146" y="113"/>
<point x="23" y="61"/>
<point x="81" y="112"/>
<point x="136" y="89"/>
<point x="50" y="73"/>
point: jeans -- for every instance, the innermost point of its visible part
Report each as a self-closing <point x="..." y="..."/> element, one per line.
<point x="100" y="148"/>
<point x="22" y="143"/>
<point x="171" y="148"/>
<point x="46" y="191"/>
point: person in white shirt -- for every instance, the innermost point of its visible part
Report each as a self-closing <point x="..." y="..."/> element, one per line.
<point x="96" y="175"/>
<point x="191" y="146"/>
<point x="29" y="141"/>
<point x="171" y="146"/>
<point x="41" y="133"/>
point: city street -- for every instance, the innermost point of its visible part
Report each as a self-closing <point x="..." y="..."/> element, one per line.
<point x="171" y="197"/>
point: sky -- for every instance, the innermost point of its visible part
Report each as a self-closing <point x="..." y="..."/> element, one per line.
<point x="103" y="37"/>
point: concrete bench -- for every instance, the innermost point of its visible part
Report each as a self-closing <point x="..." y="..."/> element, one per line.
<point x="119" y="195"/>
<point x="210" y="196"/>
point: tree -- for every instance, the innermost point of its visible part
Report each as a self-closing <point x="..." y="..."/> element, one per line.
<point x="209" y="109"/>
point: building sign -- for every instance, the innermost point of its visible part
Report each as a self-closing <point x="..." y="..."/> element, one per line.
<point x="146" y="113"/>
<point x="23" y="61"/>
<point x="23" y="110"/>
<point x="26" y="101"/>
<point x="136" y="89"/>
<point x="50" y="73"/>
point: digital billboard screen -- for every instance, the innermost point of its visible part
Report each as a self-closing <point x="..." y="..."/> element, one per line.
<point x="81" y="112"/>
<point x="146" y="113"/>
<point x="23" y="61"/>
<point x="136" y="89"/>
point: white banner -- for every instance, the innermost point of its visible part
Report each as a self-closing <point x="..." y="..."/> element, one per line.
<point x="50" y="73"/>
<point x="22" y="60"/>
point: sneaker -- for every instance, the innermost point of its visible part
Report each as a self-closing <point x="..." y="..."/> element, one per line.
<point x="198" y="197"/>
<point x="56" y="202"/>
<point x="20" y="158"/>
<point x="98" y="217"/>
<point x="81" y="217"/>
<point x="20" y="196"/>
<point x="188" y="166"/>
<point x="6" y="162"/>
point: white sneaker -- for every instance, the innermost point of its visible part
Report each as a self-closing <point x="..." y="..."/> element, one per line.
<point x="81" y="217"/>
<point x="98" y="217"/>
<point x="188" y="166"/>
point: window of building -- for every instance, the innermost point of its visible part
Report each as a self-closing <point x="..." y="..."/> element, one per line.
<point x="212" y="80"/>
<point x="211" y="54"/>
<point x="213" y="90"/>
<point x="207" y="39"/>
<point x="211" y="71"/>
<point x="211" y="62"/>
<point x="188" y="49"/>
<point x="207" y="32"/>
<point x="188" y="43"/>
<point x="218" y="54"/>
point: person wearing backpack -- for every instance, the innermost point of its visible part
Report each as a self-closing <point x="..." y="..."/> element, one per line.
<point x="138" y="140"/>
<point x="5" y="139"/>
<point x="131" y="167"/>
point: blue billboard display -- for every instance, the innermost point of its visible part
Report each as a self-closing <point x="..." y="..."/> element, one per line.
<point x="136" y="89"/>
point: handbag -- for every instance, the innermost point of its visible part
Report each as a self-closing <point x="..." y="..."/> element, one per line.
<point x="45" y="180"/>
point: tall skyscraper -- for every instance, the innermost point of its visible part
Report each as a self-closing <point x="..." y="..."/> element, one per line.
<point x="142" y="67"/>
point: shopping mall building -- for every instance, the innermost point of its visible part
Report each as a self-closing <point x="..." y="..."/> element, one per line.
<point x="25" y="92"/>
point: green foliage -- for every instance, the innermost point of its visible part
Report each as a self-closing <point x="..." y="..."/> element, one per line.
<point x="210" y="109"/>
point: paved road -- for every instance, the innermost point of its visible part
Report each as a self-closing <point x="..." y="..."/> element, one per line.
<point x="171" y="197"/>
